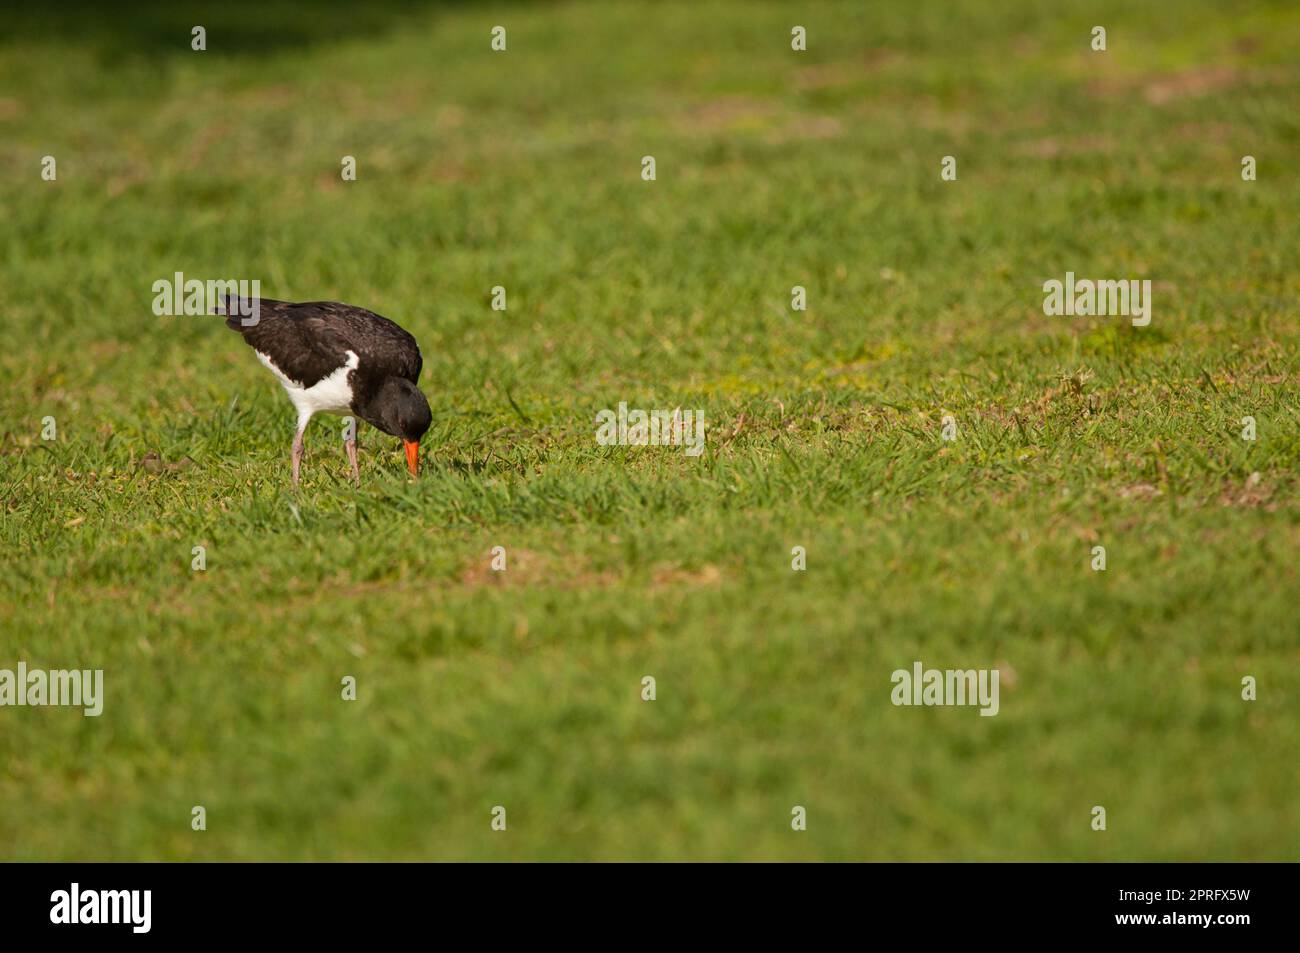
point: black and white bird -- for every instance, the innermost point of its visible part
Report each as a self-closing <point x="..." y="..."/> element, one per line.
<point x="339" y="359"/>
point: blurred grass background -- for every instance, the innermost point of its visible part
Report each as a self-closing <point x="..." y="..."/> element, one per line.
<point x="775" y="168"/>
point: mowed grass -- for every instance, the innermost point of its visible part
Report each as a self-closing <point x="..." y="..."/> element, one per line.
<point x="522" y="688"/>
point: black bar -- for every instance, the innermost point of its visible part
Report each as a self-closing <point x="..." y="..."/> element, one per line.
<point x="335" y="902"/>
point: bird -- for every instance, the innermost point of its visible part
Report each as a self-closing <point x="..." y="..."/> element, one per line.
<point x="340" y="359"/>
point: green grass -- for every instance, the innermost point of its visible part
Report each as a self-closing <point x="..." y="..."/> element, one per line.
<point x="1121" y="688"/>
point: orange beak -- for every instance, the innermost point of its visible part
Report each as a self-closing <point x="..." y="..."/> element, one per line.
<point x="412" y="456"/>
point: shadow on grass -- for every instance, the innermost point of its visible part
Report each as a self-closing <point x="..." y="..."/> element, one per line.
<point x="235" y="28"/>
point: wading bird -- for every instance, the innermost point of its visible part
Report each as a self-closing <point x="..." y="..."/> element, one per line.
<point x="339" y="359"/>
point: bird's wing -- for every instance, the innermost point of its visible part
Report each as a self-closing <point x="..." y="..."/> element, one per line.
<point x="385" y="348"/>
<point x="302" y="347"/>
<point x="310" y="340"/>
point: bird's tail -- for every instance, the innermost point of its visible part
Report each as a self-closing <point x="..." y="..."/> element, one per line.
<point x="243" y="313"/>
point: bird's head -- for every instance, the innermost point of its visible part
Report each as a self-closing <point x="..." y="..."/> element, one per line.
<point x="399" y="408"/>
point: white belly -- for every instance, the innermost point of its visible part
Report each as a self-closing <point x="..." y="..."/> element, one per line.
<point x="330" y="395"/>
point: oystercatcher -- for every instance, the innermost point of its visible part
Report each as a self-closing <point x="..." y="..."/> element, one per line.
<point x="340" y="359"/>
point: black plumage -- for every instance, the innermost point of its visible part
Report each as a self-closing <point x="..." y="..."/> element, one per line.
<point x="338" y="358"/>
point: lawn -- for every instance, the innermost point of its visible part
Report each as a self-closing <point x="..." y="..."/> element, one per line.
<point x="963" y="544"/>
